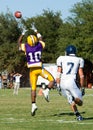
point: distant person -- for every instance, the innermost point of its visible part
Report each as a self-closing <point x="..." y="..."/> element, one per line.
<point x="68" y="67"/>
<point x="17" y="77"/>
<point x="33" y="49"/>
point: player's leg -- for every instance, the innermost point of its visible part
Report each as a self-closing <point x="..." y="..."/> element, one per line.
<point x="78" y="100"/>
<point x="71" y="101"/>
<point x="71" y="91"/>
<point x="77" y="97"/>
<point x="17" y="87"/>
<point x="71" y="85"/>
<point x="45" y="74"/>
<point x="77" y="94"/>
<point x="14" y="88"/>
<point x="33" y="98"/>
<point x="33" y="81"/>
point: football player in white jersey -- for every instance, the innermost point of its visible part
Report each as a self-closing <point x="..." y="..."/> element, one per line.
<point x="68" y="67"/>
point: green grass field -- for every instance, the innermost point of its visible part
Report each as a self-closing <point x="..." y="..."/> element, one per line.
<point x="55" y="115"/>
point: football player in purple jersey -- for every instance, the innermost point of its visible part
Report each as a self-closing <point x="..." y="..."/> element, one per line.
<point x="33" y="50"/>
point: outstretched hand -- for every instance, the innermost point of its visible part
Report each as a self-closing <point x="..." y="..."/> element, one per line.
<point x="33" y="27"/>
<point x="24" y="31"/>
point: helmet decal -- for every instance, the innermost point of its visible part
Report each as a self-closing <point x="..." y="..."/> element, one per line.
<point x="32" y="40"/>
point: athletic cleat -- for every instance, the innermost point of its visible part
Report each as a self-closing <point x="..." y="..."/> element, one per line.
<point x="34" y="108"/>
<point x="79" y="118"/>
<point x="46" y="94"/>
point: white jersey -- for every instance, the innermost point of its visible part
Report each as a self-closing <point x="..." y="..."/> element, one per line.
<point x="17" y="78"/>
<point x="70" y="65"/>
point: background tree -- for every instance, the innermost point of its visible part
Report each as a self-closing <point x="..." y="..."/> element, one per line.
<point x="82" y="21"/>
<point x="9" y="33"/>
<point x="77" y="30"/>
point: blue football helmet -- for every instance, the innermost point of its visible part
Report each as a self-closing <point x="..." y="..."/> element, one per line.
<point x="70" y="50"/>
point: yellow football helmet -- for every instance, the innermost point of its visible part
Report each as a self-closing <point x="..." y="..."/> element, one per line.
<point x="32" y="40"/>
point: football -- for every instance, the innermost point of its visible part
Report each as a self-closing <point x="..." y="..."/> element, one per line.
<point x="18" y="14"/>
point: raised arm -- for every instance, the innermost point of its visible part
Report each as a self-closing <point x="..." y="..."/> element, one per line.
<point x="20" y="38"/>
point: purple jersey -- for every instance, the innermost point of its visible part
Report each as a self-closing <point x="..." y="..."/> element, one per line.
<point x="33" y="55"/>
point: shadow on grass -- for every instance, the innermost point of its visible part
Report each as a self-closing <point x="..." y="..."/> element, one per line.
<point x="66" y="113"/>
<point x="72" y="114"/>
<point x="88" y="118"/>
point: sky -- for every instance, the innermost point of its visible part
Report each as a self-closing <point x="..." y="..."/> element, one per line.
<point x="30" y="8"/>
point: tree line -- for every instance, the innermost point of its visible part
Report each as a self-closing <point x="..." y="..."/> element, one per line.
<point x="57" y="34"/>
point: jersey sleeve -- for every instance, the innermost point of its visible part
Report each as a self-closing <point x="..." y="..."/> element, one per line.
<point x="81" y="63"/>
<point x="42" y="43"/>
<point x="23" y="47"/>
<point x="58" y="61"/>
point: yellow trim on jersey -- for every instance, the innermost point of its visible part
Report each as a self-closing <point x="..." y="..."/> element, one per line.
<point x="34" y="65"/>
<point x="42" y="43"/>
<point x="23" y="47"/>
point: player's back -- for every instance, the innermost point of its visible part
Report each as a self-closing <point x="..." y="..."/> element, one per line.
<point x="33" y="55"/>
<point x="70" y="65"/>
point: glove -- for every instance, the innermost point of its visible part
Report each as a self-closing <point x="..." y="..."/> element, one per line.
<point x="24" y="31"/>
<point x="33" y="27"/>
<point x="39" y="35"/>
<point x="83" y="91"/>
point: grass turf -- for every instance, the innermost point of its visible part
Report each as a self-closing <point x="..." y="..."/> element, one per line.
<point x="55" y="115"/>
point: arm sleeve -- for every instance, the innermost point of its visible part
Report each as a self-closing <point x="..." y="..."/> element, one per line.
<point x="23" y="47"/>
<point x="42" y="43"/>
<point x="58" y="62"/>
<point x="81" y="63"/>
